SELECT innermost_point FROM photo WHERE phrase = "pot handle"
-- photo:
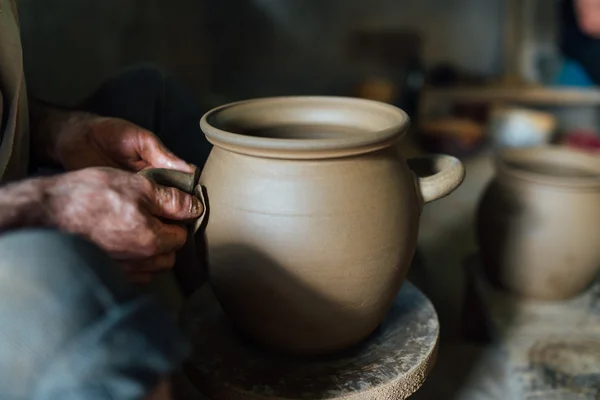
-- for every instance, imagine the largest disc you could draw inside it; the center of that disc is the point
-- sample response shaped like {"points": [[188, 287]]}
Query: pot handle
{"points": [[185, 181], [438, 175]]}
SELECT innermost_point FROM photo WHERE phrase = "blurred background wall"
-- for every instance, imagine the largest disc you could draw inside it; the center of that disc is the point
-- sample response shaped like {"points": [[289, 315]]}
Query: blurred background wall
{"points": [[72, 45], [240, 48]]}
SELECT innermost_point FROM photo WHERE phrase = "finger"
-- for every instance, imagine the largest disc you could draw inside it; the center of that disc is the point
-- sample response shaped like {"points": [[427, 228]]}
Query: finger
{"points": [[154, 264], [168, 238], [173, 204], [154, 152]]}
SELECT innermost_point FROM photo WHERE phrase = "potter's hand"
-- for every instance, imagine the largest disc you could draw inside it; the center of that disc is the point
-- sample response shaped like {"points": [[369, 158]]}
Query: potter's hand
{"points": [[121, 212], [112, 142], [79, 140]]}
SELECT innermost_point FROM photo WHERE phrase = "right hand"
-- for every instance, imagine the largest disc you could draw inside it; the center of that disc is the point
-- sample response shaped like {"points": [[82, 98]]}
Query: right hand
{"points": [[120, 211]]}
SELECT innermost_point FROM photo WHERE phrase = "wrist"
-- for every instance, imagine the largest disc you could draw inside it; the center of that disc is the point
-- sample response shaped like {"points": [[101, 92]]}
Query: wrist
{"points": [[25, 204]]}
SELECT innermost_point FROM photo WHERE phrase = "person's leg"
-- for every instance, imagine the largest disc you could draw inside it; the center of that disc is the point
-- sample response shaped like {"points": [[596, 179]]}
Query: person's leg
{"points": [[71, 327], [156, 101]]}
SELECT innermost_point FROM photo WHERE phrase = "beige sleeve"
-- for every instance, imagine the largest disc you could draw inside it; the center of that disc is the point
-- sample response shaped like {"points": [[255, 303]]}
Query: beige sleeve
{"points": [[13, 5]]}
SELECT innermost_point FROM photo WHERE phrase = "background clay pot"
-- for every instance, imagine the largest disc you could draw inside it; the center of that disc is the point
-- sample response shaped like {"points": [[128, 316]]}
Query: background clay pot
{"points": [[312, 216], [539, 222]]}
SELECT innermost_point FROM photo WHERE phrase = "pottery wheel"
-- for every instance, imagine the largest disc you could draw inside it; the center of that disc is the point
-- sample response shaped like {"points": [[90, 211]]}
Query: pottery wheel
{"points": [[390, 365]]}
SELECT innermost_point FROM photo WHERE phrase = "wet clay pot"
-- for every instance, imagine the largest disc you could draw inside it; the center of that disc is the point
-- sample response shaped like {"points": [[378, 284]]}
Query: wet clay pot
{"points": [[312, 216], [539, 222]]}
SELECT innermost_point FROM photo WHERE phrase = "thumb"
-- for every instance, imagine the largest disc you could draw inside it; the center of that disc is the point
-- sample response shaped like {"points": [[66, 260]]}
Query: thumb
{"points": [[173, 204], [154, 152]]}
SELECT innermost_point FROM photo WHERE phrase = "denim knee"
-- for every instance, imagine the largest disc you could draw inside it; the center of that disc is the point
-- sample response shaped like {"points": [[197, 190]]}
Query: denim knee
{"points": [[71, 326], [59, 263]]}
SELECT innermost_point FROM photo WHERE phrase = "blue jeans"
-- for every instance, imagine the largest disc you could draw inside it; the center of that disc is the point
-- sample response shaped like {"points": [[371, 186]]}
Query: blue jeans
{"points": [[71, 327]]}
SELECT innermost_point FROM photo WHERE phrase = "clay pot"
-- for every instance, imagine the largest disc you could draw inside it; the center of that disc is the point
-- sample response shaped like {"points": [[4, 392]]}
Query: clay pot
{"points": [[539, 222], [312, 216]]}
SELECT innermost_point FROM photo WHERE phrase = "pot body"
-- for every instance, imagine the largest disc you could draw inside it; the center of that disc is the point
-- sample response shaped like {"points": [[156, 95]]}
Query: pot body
{"points": [[540, 239], [307, 255]]}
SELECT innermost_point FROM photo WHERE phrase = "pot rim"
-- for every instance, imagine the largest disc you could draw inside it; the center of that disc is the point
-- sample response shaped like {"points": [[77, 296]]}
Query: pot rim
{"points": [[507, 162], [383, 124]]}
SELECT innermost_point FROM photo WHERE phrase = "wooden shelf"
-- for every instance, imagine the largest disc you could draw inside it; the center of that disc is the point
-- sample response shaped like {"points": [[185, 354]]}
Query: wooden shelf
{"points": [[557, 96]]}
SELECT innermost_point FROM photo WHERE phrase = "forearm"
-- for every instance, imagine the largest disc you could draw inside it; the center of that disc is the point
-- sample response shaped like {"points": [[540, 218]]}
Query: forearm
{"points": [[47, 122], [24, 204]]}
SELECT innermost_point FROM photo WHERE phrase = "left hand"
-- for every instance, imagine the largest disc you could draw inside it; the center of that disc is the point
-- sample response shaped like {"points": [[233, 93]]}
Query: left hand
{"points": [[94, 141]]}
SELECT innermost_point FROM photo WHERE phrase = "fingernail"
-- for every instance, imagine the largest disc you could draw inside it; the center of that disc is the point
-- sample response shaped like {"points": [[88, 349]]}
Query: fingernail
{"points": [[196, 206]]}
